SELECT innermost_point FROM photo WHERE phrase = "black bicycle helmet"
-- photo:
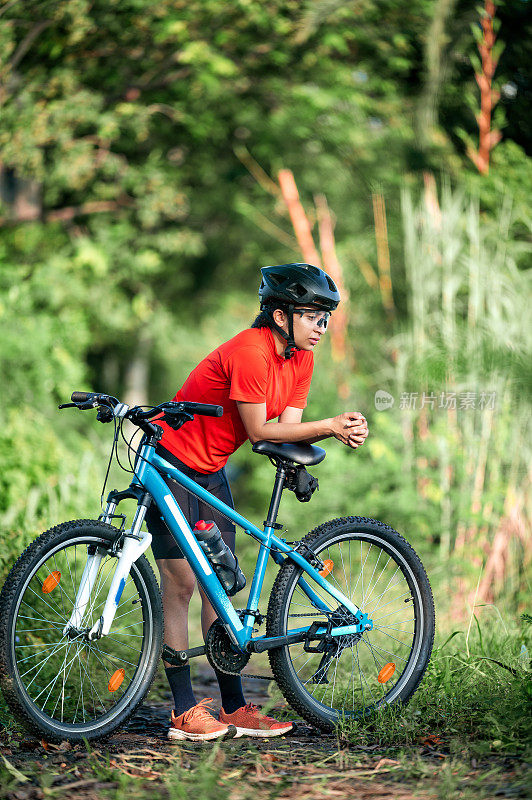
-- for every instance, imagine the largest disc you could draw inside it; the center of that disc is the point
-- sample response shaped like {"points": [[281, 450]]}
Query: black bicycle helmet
{"points": [[298, 284], [288, 285]]}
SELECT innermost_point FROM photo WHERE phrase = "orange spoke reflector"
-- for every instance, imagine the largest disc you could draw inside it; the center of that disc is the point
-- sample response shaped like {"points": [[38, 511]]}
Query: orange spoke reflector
{"points": [[327, 567], [116, 679], [51, 581], [386, 673]]}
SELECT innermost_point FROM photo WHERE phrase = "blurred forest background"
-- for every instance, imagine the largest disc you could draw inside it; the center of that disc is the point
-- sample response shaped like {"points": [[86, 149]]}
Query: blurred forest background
{"points": [[149, 159]]}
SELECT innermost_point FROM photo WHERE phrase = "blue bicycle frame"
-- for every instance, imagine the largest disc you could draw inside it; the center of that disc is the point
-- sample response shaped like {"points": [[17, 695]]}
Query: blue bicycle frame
{"points": [[148, 469]]}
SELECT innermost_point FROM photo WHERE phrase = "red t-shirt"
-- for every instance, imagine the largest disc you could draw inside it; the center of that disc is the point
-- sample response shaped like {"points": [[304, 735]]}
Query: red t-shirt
{"points": [[246, 368]]}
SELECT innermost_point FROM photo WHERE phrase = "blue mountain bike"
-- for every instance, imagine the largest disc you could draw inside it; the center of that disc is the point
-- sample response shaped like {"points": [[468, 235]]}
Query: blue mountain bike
{"points": [[349, 623]]}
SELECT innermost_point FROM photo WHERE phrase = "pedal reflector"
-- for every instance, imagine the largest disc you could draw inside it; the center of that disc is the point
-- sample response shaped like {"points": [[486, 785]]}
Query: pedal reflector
{"points": [[115, 681], [386, 673], [51, 581], [327, 567]]}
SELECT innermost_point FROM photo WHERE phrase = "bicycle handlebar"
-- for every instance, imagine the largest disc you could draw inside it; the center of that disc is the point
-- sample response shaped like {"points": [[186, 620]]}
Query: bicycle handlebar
{"points": [[93, 397], [81, 397], [205, 409], [183, 407]]}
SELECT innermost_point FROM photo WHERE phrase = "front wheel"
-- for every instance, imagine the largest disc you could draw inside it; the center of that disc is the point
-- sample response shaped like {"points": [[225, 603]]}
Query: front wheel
{"points": [[354, 675], [61, 685]]}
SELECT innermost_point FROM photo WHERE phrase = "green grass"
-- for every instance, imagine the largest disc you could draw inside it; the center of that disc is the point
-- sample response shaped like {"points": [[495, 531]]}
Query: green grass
{"points": [[476, 697], [465, 735]]}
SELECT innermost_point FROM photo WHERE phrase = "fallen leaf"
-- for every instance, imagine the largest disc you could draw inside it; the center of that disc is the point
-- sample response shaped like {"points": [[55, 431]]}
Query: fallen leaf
{"points": [[385, 762], [64, 746], [430, 741], [13, 770]]}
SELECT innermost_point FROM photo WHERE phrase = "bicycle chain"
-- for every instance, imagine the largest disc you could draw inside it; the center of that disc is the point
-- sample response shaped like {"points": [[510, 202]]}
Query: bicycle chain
{"points": [[260, 677]]}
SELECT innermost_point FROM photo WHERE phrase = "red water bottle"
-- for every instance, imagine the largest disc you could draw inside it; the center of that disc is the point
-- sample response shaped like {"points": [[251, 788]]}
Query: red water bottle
{"points": [[222, 560]]}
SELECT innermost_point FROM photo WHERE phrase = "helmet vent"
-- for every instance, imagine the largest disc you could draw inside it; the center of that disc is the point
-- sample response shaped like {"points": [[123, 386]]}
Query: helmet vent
{"points": [[298, 289], [276, 279], [313, 269], [332, 286]]}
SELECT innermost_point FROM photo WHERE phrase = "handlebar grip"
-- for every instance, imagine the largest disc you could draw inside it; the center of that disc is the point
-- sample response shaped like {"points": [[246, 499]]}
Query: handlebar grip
{"points": [[204, 409], [81, 397]]}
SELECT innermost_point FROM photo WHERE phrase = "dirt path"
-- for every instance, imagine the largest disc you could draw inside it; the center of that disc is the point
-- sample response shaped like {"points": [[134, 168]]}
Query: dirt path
{"points": [[140, 763]]}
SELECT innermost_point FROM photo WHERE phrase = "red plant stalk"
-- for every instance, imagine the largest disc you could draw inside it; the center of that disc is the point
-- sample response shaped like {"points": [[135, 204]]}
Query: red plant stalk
{"points": [[298, 217], [488, 97], [302, 230], [383, 254], [338, 326]]}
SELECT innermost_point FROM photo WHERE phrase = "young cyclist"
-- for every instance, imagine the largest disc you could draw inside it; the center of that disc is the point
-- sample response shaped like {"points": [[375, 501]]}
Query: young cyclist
{"points": [[260, 374]]}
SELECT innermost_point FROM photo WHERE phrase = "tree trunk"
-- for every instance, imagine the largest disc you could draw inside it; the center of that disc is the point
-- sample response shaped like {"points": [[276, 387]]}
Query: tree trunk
{"points": [[136, 376]]}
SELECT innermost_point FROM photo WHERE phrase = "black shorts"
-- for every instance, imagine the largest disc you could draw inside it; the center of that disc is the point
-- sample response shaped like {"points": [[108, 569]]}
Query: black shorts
{"points": [[163, 543]]}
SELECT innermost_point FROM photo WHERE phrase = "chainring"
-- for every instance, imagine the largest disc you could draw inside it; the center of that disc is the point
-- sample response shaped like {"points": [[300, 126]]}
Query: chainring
{"points": [[221, 652]]}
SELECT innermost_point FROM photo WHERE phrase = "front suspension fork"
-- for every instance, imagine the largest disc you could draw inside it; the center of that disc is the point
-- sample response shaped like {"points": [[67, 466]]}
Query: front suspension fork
{"points": [[135, 543]]}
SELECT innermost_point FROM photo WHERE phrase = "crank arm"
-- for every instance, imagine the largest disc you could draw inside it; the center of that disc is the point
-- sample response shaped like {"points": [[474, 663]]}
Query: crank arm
{"points": [[179, 657]]}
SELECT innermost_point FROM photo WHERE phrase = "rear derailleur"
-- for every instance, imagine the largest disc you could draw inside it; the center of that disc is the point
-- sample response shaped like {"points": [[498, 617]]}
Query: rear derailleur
{"points": [[330, 646]]}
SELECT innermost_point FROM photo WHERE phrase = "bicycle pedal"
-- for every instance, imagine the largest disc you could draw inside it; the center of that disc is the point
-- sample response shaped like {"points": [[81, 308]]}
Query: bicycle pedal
{"points": [[179, 657]]}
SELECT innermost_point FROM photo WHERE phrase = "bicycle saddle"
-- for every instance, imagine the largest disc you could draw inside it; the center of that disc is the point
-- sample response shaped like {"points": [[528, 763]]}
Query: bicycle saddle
{"points": [[301, 453]]}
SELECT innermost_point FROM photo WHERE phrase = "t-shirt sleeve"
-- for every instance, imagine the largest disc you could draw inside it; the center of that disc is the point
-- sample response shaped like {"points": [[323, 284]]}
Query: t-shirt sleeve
{"points": [[247, 370], [298, 399]]}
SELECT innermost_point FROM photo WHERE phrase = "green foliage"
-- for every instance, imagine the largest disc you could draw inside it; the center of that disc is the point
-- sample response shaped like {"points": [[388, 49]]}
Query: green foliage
{"points": [[139, 126], [475, 699], [206, 781], [46, 478]]}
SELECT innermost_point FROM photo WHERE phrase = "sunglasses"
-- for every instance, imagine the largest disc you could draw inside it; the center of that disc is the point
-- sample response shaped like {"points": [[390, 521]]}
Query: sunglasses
{"points": [[313, 316]]}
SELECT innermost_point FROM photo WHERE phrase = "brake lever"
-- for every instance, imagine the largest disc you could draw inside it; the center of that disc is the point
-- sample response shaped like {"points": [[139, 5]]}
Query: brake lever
{"points": [[80, 406], [175, 421]]}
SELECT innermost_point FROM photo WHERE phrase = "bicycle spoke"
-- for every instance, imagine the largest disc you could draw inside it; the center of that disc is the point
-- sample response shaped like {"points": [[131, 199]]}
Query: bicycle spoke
{"points": [[124, 644], [43, 663], [110, 658], [93, 686], [55, 678], [362, 676], [46, 604], [61, 695], [365, 600], [52, 682], [41, 619], [389, 652], [63, 676], [397, 611], [386, 588], [376, 628], [347, 680]]}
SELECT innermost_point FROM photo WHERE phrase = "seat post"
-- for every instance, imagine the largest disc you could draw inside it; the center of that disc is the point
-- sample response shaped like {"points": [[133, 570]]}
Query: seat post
{"points": [[278, 487]]}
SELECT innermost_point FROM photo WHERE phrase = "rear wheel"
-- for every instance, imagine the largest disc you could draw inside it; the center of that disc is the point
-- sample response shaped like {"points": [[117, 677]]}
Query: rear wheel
{"points": [[357, 674], [63, 686]]}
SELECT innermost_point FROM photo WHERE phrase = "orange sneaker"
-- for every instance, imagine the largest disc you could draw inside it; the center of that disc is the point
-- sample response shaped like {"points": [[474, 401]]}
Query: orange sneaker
{"points": [[248, 721], [199, 725]]}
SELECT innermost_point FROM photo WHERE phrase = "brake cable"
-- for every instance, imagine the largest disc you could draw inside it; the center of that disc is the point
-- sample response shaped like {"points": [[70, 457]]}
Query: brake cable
{"points": [[113, 449], [131, 449]]}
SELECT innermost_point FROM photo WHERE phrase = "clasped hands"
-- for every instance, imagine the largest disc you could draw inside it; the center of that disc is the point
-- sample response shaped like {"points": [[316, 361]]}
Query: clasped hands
{"points": [[350, 428]]}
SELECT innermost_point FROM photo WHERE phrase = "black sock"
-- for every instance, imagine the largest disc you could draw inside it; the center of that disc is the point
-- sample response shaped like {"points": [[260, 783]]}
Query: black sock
{"points": [[231, 691], [179, 680]]}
